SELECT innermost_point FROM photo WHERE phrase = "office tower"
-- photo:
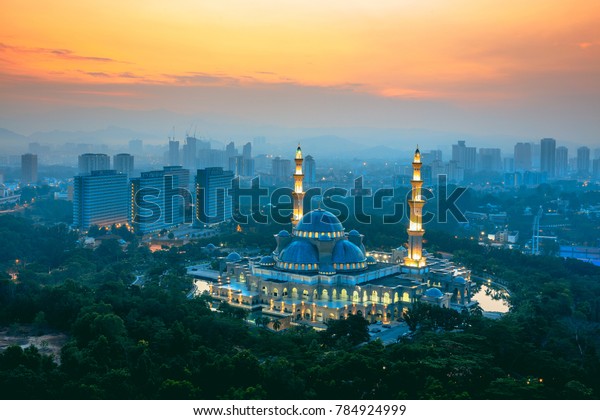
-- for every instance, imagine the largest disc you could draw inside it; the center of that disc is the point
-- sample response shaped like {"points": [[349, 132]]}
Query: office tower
{"points": [[562, 162], [160, 199], [29, 168], [597, 153], [210, 158], [596, 168], [548, 157], [100, 198], [190, 153], [536, 153], [310, 170], [136, 147], [429, 157], [464, 156], [213, 203], [173, 153], [247, 151], [123, 163], [523, 157], [280, 169], [437, 168], [230, 150], [490, 159], [583, 161], [455, 171], [1, 177], [241, 166], [508, 164], [89, 162]]}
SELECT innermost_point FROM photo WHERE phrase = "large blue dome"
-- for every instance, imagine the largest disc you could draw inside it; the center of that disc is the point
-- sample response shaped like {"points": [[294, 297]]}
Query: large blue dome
{"points": [[346, 252], [301, 252], [320, 223]]}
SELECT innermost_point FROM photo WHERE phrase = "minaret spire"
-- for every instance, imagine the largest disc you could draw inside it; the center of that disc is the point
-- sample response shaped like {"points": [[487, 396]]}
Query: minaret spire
{"points": [[298, 194], [415, 230]]}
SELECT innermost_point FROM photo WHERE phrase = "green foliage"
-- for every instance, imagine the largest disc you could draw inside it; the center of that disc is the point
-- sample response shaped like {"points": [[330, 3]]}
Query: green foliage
{"points": [[151, 342], [352, 330]]}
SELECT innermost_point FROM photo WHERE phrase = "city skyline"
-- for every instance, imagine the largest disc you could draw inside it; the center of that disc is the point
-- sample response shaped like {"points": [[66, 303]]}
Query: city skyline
{"points": [[482, 69]]}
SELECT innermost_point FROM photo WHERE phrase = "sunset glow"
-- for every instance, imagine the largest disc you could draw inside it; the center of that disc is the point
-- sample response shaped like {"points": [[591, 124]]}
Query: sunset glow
{"points": [[463, 52]]}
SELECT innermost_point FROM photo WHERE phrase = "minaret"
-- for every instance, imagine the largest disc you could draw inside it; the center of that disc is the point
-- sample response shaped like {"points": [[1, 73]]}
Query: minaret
{"points": [[298, 194], [415, 230]]}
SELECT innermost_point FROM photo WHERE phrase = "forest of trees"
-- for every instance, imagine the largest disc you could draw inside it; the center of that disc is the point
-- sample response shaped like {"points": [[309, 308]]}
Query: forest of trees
{"points": [[127, 342]]}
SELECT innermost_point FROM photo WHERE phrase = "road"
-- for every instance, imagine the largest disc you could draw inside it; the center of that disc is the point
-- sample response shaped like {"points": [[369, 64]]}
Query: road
{"points": [[388, 335]]}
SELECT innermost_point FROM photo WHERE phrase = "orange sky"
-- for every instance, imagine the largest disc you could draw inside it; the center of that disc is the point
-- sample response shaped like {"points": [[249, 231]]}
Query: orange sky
{"points": [[462, 51]]}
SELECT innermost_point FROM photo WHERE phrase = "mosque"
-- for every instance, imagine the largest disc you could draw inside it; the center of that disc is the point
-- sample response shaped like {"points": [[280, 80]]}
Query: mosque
{"points": [[318, 271]]}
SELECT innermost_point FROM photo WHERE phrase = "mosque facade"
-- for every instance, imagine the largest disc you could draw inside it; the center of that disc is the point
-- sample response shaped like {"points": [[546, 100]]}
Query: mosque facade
{"points": [[318, 271]]}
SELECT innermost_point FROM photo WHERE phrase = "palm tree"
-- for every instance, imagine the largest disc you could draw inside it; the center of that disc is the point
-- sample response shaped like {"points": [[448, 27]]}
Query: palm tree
{"points": [[276, 325]]}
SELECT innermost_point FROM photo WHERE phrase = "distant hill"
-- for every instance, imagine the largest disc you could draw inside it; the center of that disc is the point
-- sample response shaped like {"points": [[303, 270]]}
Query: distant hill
{"points": [[12, 143], [111, 136]]}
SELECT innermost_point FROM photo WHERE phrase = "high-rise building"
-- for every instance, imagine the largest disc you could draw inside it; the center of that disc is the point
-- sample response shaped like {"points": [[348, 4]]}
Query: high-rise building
{"points": [[241, 166], [190, 153], [89, 162], [160, 199], [247, 151], [100, 198], [583, 161], [536, 153], [310, 170], [280, 169], [523, 157], [230, 150], [548, 157], [456, 173], [490, 159], [211, 158], [213, 203], [596, 168], [597, 153], [429, 157], [123, 163], [562, 162], [465, 156], [29, 168], [508, 164], [173, 153]]}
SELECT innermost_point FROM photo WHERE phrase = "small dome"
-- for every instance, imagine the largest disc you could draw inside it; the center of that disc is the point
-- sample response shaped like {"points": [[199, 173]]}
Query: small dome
{"points": [[301, 252], [346, 252], [354, 232], [434, 292], [284, 233], [459, 280], [267, 261], [234, 257], [211, 247], [319, 221], [371, 260]]}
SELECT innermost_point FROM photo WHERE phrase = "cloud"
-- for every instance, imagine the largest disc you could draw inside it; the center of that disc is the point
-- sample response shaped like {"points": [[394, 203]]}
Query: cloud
{"points": [[204, 79], [60, 53]]}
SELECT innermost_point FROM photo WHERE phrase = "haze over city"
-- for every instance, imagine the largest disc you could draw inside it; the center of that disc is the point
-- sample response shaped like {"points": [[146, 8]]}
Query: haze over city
{"points": [[389, 73]]}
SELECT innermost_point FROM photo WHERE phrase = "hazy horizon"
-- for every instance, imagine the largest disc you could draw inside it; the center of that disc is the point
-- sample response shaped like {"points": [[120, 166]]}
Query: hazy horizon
{"points": [[391, 74]]}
